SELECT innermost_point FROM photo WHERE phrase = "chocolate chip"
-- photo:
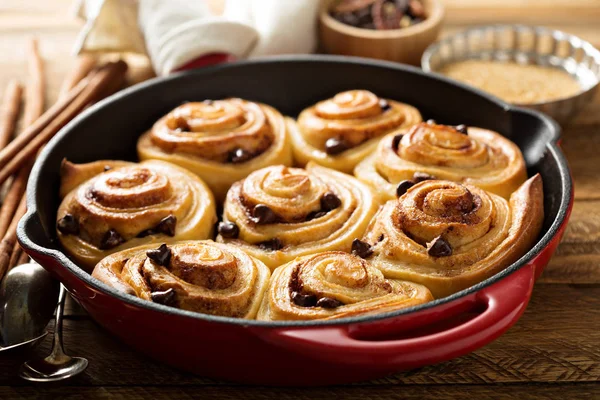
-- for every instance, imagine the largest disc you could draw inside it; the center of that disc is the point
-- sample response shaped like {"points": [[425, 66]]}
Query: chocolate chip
{"points": [[271, 245], [166, 297], [438, 247], [361, 249], [147, 232], [335, 146], [384, 105], [182, 125], [239, 156], [328, 302], [315, 214], [422, 176], [431, 122], [462, 129], [111, 239], [304, 300], [107, 168], [381, 237], [263, 215], [68, 225], [330, 201], [403, 187], [161, 256], [167, 225], [228, 230], [396, 141]]}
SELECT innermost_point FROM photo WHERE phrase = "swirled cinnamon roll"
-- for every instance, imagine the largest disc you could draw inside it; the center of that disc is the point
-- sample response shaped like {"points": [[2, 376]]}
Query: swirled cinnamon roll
{"points": [[449, 236], [221, 141], [200, 276], [339, 132], [279, 213], [335, 284], [469, 155], [110, 206]]}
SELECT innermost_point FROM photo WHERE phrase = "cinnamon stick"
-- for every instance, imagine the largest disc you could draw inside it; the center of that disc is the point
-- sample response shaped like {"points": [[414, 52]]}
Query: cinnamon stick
{"points": [[10, 238], [83, 67], [35, 93], [23, 259], [12, 199], [27, 144], [14, 256], [10, 111]]}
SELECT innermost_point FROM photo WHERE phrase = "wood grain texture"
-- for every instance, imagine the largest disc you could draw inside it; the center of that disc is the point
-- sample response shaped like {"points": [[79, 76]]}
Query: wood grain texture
{"points": [[551, 353]]}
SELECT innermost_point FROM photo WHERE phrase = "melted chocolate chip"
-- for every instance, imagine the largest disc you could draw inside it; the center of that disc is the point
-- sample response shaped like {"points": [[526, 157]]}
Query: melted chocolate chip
{"points": [[263, 215], [381, 237], [167, 225], [330, 201], [403, 187], [384, 105], [68, 225], [328, 302], [422, 176], [182, 125], [228, 230], [271, 245], [315, 214], [335, 146], [396, 141], [111, 239], [161, 256], [438, 247], [462, 129], [431, 122], [166, 297], [239, 156], [304, 300], [361, 249], [107, 168]]}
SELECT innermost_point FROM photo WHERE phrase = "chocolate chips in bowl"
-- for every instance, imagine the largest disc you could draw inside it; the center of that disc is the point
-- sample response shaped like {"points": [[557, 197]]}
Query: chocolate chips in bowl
{"points": [[379, 14]]}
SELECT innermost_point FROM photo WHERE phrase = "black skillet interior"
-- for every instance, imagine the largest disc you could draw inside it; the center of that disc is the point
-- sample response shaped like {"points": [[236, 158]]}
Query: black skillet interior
{"points": [[110, 129]]}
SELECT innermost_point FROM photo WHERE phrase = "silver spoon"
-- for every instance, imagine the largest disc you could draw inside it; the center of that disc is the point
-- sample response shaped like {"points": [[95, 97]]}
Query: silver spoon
{"points": [[28, 297], [57, 366]]}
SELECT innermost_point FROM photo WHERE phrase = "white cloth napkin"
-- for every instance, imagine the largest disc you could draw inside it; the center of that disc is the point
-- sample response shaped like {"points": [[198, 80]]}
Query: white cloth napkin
{"points": [[175, 32]]}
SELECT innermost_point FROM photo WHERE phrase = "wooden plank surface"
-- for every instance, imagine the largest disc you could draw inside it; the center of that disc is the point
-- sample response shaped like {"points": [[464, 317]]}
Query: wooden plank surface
{"points": [[552, 352]]}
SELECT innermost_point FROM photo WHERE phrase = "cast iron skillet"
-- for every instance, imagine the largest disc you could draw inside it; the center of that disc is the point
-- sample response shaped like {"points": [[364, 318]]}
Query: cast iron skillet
{"points": [[338, 351]]}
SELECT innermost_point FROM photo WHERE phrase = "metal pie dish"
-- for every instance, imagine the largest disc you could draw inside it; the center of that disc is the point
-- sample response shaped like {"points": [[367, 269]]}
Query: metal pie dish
{"points": [[327, 352], [524, 44]]}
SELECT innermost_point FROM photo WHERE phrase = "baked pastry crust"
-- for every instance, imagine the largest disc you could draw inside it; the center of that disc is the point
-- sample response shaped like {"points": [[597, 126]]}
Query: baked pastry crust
{"points": [[149, 202], [335, 284], [482, 158], [221, 141], [200, 276], [358, 118], [301, 225], [483, 233]]}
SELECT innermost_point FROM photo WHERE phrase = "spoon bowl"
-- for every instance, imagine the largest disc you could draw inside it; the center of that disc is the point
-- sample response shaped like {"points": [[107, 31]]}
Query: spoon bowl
{"points": [[50, 369], [28, 297]]}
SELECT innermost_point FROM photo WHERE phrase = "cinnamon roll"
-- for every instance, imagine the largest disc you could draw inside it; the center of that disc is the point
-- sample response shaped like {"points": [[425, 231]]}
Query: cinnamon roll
{"points": [[110, 206], [221, 141], [279, 213], [332, 285], [449, 236], [200, 276], [470, 155], [339, 132]]}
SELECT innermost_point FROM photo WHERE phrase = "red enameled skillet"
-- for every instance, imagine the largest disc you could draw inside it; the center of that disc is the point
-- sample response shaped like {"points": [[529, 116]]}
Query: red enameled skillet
{"points": [[300, 353]]}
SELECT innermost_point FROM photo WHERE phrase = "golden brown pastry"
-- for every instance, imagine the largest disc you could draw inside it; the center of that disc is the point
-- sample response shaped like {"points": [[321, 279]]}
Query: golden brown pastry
{"points": [[201, 276], [279, 213], [335, 284], [448, 236], [221, 141], [482, 157], [339, 132], [110, 206]]}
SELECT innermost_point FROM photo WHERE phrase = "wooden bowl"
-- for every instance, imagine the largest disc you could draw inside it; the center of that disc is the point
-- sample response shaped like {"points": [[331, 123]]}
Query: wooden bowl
{"points": [[405, 45]]}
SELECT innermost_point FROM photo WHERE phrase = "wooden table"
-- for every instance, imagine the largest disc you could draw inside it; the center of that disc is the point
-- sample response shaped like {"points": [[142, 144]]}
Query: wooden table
{"points": [[552, 352]]}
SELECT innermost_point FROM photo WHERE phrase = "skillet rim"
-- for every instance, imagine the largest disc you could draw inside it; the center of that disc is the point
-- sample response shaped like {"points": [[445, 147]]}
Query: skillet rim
{"points": [[566, 199]]}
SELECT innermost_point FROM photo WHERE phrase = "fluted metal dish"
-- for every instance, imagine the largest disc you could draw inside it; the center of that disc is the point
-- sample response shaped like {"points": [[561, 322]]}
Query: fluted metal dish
{"points": [[525, 45]]}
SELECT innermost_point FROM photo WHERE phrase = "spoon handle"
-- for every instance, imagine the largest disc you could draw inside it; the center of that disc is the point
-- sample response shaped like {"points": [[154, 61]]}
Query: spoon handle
{"points": [[57, 344]]}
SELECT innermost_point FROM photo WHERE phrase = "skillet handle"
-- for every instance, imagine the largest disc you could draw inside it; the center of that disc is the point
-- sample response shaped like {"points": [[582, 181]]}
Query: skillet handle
{"points": [[504, 303]]}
